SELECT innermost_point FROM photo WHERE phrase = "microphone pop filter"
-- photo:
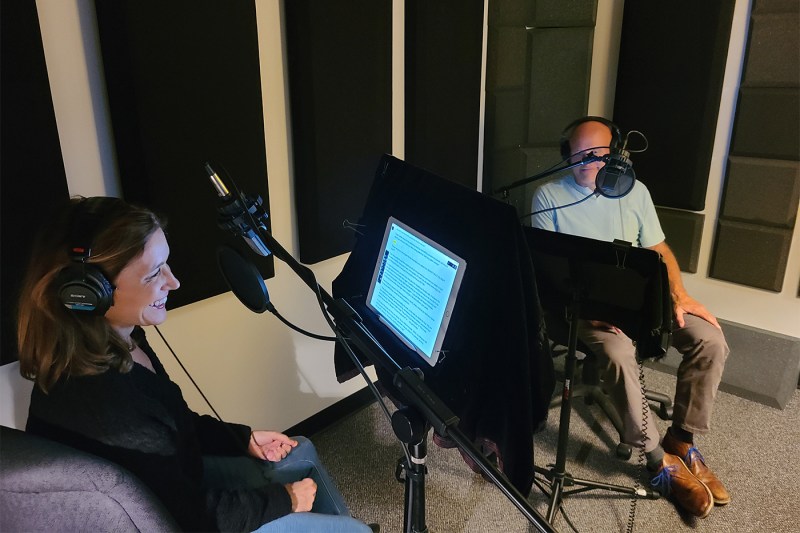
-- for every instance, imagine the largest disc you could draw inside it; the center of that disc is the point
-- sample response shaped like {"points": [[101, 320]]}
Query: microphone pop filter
{"points": [[616, 178], [243, 278]]}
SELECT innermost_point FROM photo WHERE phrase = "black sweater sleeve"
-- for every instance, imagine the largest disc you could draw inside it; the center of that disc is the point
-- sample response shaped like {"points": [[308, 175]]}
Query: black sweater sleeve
{"points": [[193, 507], [140, 421]]}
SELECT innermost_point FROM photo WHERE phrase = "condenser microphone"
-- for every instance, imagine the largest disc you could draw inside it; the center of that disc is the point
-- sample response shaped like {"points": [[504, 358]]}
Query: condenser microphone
{"points": [[239, 214], [616, 178]]}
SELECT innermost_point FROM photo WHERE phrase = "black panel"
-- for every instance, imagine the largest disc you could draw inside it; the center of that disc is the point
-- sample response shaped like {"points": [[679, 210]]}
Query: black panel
{"points": [[443, 86], [767, 123], [669, 81], [339, 60], [184, 87], [773, 53], [561, 65], [558, 13], [537, 81], [762, 191], [684, 232], [750, 254], [32, 170]]}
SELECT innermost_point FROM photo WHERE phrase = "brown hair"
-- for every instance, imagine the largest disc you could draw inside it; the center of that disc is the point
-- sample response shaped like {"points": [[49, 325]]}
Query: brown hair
{"points": [[54, 341]]}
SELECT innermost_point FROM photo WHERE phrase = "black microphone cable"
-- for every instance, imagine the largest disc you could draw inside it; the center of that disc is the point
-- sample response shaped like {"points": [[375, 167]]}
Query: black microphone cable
{"points": [[271, 308], [640, 460], [560, 206], [236, 438]]}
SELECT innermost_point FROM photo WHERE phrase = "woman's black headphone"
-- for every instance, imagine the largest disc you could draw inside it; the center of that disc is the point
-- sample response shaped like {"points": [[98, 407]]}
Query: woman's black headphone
{"points": [[82, 286], [616, 136]]}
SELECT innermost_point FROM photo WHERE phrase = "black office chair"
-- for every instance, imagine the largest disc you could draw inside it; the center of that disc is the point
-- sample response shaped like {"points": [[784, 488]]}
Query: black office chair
{"points": [[591, 388]]}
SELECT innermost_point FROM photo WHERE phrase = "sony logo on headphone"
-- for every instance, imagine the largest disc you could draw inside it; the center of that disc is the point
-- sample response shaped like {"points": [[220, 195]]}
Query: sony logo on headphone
{"points": [[77, 295]]}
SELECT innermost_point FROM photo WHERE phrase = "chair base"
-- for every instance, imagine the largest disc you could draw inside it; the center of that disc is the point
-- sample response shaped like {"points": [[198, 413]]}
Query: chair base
{"points": [[595, 394]]}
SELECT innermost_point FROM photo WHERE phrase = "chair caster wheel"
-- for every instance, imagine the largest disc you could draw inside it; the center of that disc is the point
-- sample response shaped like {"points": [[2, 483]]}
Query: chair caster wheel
{"points": [[623, 451], [665, 412]]}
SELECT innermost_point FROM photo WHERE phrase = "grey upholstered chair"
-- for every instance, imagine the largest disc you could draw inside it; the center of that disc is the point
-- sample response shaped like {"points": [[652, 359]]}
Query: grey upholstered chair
{"points": [[45, 486]]}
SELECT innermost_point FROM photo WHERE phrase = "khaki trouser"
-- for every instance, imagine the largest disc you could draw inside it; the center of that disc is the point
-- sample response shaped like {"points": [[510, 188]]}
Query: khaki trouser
{"points": [[704, 352]]}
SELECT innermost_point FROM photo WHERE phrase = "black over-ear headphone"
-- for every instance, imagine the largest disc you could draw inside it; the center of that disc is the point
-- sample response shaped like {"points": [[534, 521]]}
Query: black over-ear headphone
{"points": [[616, 136], [82, 286]]}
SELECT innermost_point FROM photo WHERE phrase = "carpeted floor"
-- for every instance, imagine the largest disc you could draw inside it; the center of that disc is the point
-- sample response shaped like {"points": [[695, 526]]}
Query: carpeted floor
{"points": [[752, 448]]}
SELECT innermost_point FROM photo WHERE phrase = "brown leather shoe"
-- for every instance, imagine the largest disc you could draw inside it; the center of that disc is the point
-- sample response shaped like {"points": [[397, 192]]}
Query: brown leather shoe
{"points": [[696, 464], [675, 480]]}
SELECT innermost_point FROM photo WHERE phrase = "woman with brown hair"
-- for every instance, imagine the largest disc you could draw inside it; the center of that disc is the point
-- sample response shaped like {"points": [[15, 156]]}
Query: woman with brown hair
{"points": [[98, 273]]}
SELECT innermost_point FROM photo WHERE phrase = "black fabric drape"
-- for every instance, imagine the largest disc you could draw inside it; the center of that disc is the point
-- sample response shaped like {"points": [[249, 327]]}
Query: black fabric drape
{"points": [[496, 373]]}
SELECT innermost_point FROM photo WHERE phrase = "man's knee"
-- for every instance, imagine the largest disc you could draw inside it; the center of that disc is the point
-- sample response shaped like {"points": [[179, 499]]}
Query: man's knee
{"points": [[702, 340]]}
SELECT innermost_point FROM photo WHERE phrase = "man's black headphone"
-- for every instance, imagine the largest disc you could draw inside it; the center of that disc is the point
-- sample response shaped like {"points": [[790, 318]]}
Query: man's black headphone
{"points": [[616, 136], [82, 286]]}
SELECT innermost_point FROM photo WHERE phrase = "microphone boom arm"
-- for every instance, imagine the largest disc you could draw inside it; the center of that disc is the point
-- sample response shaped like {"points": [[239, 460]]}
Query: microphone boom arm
{"points": [[350, 330], [549, 172]]}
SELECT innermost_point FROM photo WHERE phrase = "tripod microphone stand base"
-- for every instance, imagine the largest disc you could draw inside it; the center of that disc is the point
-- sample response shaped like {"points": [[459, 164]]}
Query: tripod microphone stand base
{"points": [[560, 481]]}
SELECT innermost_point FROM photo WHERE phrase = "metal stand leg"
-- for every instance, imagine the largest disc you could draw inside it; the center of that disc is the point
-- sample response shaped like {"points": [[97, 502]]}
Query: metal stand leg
{"points": [[557, 476], [412, 428]]}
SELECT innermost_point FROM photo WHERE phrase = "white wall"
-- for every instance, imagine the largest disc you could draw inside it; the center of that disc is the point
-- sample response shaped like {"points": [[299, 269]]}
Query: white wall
{"points": [[252, 368]]}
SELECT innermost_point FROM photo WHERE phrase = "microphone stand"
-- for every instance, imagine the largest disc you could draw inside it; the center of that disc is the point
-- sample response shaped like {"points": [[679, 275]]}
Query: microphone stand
{"points": [[425, 409]]}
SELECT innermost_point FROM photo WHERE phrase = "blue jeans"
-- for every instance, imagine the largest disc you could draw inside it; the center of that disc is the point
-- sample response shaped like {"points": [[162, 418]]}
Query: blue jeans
{"points": [[313, 522], [329, 512]]}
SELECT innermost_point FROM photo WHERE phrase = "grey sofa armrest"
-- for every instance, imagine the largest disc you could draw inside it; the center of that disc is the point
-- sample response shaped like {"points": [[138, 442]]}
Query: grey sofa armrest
{"points": [[46, 486]]}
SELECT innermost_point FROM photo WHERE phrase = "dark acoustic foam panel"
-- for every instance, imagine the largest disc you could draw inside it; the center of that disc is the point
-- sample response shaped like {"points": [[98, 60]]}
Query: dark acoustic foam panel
{"points": [[684, 233], [443, 48], [762, 191], [32, 169], [509, 124], [773, 55], [751, 255], [507, 61], [669, 81], [561, 64], [557, 13], [184, 88], [767, 124], [537, 81], [339, 61]]}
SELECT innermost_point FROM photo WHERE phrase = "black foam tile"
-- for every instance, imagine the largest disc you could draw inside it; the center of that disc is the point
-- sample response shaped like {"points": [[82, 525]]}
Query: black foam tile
{"points": [[751, 255], [684, 232], [762, 191]]}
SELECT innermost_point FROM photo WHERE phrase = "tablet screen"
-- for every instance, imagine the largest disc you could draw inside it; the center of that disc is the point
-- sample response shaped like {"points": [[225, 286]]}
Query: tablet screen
{"points": [[414, 288]]}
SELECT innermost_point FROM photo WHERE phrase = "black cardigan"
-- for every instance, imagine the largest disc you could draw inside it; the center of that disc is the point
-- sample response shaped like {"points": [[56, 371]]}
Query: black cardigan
{"points": [[140, 421]]}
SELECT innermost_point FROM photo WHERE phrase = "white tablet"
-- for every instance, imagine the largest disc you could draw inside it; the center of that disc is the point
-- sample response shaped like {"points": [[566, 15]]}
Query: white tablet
{"points": [[414, 288]]}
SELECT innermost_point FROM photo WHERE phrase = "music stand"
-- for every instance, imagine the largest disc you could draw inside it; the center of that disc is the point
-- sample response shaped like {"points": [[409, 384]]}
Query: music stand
{"points": [[614, 282]]}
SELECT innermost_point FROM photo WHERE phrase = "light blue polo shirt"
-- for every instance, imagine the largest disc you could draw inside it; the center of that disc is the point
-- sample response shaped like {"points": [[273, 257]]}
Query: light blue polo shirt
{"points": [[631, 218]]}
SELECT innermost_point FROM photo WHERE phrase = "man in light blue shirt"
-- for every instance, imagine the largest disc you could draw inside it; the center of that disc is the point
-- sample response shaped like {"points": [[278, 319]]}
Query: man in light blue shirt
{"points": [[570, 205]]}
